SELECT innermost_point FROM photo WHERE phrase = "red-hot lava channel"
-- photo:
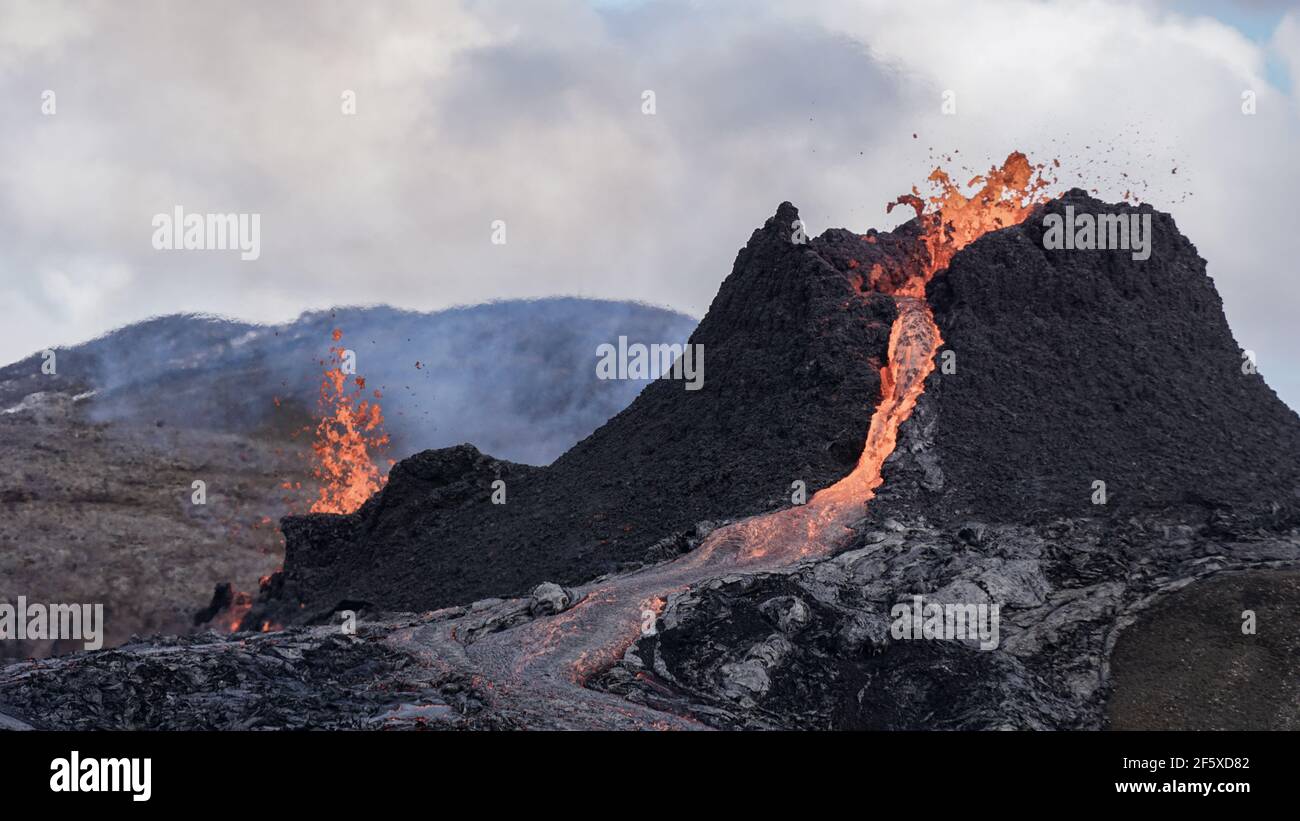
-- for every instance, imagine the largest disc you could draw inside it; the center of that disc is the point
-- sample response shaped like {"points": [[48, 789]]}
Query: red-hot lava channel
{"points": [[535, 672]]}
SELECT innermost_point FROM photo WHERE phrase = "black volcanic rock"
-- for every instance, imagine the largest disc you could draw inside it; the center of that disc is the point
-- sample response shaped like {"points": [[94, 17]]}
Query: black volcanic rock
{"points": [[792, 353], [1075, 366], [729, 651]]}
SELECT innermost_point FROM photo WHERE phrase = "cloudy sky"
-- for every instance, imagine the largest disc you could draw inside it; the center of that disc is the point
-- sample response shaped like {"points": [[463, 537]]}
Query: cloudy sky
{"points": [[531, 112]]}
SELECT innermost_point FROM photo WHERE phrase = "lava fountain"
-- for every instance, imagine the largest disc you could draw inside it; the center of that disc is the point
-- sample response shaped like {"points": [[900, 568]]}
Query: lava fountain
{"points": [[350, 429], [951, 220]]}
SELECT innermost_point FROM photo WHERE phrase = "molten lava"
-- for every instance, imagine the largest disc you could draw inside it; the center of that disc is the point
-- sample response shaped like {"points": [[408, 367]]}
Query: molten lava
{"points": [[350, 430], [240, 604], [951, 220]]}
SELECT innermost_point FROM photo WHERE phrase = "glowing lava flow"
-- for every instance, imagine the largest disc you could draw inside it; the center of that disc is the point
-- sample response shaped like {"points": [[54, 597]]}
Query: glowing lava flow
{"points": [[817, 527]]}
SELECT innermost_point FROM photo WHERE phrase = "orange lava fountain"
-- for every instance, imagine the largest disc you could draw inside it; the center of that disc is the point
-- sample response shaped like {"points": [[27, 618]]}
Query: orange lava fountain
{"points": [[951, 220], [350, 429]]}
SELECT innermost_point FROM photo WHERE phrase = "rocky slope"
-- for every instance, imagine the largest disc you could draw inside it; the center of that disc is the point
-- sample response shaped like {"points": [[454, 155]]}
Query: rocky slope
{"points": [[810, 647], [102, 512]]}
